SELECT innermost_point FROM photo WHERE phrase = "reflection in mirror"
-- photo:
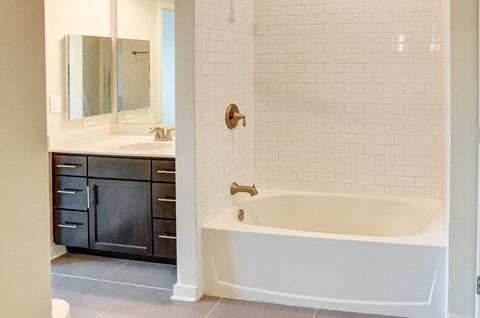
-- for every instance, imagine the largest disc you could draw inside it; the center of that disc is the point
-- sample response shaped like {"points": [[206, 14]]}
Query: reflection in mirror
{"points": [[152, 22], [88, 75], [133, 60], [168, 66]]}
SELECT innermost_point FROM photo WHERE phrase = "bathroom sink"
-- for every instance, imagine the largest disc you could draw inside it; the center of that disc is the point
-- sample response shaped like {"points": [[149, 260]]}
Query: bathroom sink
{"points": [[145, 146]]}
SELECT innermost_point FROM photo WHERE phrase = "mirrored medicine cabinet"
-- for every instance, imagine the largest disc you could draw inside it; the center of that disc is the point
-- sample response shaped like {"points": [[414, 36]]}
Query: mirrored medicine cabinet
{"points": [[89, 62], [145, 77]]}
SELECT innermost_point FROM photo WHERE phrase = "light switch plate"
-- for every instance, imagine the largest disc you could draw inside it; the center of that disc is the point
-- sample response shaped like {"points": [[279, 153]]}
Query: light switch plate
{"points": [[55, 104], [88, 121], [129, 114]]}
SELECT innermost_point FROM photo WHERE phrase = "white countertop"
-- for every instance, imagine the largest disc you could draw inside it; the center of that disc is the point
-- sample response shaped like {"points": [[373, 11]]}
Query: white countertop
{"points": [[120, 145]]}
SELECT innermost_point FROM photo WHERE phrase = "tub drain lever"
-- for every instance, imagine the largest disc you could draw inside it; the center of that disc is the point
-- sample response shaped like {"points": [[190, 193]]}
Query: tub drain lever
{"points": [[241, 215]]}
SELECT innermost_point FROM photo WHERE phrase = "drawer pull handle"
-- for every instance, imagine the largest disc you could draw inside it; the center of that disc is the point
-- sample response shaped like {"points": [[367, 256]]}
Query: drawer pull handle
{"points": [[67, 165], [166, 200], [166, 171], [69, 191], [88, 197], [68, 226], [167, 236]]}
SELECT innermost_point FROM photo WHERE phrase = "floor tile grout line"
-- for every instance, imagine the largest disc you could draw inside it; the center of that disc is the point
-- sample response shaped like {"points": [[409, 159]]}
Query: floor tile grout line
{"points": [[56, 278], [138, 285], [315, 313], [114, 271], [118, 301], [218, 302], [121, 283]]}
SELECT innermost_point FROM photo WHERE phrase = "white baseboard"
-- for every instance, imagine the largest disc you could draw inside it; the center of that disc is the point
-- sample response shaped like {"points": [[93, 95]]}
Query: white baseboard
{"points": [[458, 316], [187, 293], [57, 251]]}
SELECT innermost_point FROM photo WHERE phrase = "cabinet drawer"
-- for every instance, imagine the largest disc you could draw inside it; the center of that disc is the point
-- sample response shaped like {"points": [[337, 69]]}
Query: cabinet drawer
{"points": [[70, 165], [71, 228], [163, 170], [70, 193], [164, 239], [119, 168], [163, 200]]}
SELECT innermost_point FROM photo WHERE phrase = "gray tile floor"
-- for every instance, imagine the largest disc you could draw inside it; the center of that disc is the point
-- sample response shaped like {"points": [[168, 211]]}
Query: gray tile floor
{"points": [[115, 288]]}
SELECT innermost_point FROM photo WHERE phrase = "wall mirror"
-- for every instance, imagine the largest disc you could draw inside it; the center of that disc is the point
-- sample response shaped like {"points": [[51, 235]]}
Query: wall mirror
{"points": [[89, 62], [133, 75], [146, 61]]}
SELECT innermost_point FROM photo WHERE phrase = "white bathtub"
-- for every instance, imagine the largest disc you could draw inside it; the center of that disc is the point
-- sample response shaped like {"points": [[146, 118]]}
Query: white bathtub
{"points": [[376, 255]]}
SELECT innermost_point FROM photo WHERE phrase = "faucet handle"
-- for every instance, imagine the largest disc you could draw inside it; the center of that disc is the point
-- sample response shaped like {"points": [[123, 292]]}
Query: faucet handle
{"points": [[233, 116], [238, 116], [154, 129], [169, 134]]}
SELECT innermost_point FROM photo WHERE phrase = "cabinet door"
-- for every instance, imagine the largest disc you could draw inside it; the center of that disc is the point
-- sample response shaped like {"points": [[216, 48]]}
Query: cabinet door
{"points": [[120, 217]]}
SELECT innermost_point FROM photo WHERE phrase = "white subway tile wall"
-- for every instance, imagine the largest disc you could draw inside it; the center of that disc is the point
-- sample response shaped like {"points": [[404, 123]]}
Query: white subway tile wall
{"points": [[348, 96], [223, 75], [445, 62]]}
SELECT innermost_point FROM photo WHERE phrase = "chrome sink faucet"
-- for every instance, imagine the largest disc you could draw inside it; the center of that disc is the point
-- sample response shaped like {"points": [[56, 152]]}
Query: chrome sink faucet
{"points": [[235, 188]]}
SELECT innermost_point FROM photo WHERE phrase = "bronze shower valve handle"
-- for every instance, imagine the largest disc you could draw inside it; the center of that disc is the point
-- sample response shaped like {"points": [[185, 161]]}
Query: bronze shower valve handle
{"points": [[233, 116]]}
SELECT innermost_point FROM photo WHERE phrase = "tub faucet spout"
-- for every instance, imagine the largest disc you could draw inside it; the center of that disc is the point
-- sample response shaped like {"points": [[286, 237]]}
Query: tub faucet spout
{"points": [[235, 188]]}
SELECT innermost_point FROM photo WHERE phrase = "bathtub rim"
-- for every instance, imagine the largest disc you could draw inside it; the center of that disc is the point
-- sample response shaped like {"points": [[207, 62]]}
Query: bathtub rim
{"points": [[434, 234]]}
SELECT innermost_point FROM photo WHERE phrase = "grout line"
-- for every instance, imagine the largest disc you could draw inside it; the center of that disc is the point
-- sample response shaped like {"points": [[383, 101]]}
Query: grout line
{"points": [[121, 283], [315, 313], [218, 302], [115, 303], [56, 278], [113, 271]]}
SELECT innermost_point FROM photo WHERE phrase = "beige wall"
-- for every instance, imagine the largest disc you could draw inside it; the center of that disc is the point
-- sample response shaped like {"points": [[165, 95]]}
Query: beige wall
{"points": [[463, 183], [24, 226]]}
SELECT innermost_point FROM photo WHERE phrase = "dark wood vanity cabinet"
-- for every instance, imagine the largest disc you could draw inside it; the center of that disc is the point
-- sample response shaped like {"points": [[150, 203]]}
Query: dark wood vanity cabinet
{"points": [[115, 204]]}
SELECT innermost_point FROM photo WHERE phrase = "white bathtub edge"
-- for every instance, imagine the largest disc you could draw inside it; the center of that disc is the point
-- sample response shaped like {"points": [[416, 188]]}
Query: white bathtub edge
{"points": [[434, 236]]}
